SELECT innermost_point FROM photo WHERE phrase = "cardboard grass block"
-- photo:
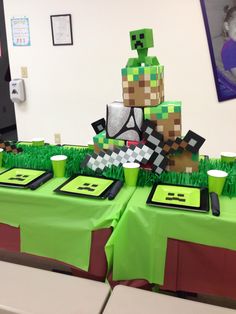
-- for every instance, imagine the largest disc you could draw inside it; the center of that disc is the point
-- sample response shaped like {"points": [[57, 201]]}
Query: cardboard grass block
{"points": [[101, 142], [167, 117], [123, 123], [143, 86], [183, 162]]}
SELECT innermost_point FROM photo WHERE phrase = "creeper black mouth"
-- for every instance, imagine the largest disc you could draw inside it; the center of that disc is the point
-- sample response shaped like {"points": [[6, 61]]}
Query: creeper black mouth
{"points": [[138, 44]]}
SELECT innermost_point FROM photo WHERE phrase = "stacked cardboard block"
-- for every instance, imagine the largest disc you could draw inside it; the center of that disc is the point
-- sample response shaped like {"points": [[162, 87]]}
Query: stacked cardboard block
{"points": [[167, 117], [183, 162], [143, 86], [144, 122], [101, 142], [124, 122]]}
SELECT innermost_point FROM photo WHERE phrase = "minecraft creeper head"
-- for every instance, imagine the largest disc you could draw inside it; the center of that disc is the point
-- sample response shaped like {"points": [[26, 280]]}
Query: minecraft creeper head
{"points": [[141, 39]]}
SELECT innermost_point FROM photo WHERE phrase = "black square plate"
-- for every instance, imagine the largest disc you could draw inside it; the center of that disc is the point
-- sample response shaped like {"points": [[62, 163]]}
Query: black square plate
{"points": [[23, 178], [179, 197], [86, 186]]}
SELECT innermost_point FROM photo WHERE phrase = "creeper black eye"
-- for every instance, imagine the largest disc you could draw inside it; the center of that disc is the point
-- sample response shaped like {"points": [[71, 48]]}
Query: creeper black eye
{"points": [[141, 36], [133, 37]]}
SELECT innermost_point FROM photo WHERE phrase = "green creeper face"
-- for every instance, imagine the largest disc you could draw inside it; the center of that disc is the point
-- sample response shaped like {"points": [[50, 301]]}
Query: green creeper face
{"points": [[85, 185], [177, 195], [141, 39]]}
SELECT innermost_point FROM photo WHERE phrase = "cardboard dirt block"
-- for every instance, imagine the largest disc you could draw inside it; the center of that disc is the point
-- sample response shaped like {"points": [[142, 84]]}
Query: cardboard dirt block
{"points": [[123, 123], [143, 86], [183, 162], [167, 117], [101, 142]]}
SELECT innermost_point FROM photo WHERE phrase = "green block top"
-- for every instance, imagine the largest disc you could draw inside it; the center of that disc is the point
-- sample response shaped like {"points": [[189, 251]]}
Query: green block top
{"points": [[102, 139], [99, 136], [164, 107], [154, 69]]}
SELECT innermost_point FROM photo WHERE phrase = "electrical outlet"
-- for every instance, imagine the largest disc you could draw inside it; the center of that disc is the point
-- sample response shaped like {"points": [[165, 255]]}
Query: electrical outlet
{"points": [[24, 72], [57, 138]]}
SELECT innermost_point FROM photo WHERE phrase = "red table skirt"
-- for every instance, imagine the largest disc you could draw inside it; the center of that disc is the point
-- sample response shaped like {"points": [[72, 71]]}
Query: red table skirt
{"points": [[10, 241], [189, 267], [200, 269], [194, 268]]}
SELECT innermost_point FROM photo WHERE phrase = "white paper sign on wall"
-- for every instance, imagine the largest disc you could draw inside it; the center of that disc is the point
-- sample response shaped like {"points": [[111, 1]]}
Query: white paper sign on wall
{"points": [[20, 31]]}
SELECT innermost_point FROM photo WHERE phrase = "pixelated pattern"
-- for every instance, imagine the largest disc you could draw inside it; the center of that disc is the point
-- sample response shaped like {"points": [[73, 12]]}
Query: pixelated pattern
{"points": [[167, 118], [99, 125], [192, 142], [143, 86], [183, 162], [154, 140], [10, 148], [143, 153], [98, 162], [153, 151], [102, 142]]}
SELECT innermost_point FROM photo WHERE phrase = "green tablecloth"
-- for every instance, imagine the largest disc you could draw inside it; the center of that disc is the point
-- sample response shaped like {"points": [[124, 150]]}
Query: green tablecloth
{"points": [[137, 248], [59, 226]]}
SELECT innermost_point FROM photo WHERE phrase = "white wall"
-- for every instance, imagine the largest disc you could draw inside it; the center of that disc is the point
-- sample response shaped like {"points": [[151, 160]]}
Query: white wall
{"points": [[68, 87]]}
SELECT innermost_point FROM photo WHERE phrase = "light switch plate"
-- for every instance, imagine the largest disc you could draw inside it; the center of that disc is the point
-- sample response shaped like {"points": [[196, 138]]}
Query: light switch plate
{"points": [[57, 138], [24, 72]]}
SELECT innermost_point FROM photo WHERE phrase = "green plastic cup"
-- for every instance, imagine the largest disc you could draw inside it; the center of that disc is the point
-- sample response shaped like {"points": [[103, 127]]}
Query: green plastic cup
{"points": [[216, 180], [59, 165], [37, 141], [131, 171], [228, 157], [1, 156]]}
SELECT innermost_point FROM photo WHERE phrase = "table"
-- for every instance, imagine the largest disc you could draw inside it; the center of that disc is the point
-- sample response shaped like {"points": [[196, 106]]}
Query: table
{"points": [[58, 226], [128, 300], [30, 290], [137, 248]]}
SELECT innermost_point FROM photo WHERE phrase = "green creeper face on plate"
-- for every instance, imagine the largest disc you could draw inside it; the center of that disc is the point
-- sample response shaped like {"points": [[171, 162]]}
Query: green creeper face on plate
{"points": [[19, 176], [141, 39], [90, 186], [177, 195]]}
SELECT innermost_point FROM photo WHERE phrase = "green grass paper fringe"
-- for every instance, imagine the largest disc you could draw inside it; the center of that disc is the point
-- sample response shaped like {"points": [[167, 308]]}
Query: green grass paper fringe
{"points": [[34, 157], [39, 158]]}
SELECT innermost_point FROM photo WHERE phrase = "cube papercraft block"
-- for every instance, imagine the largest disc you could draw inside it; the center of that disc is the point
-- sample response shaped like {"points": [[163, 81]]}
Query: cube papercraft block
{"points": [[143, 86], [123, 123], [183, 162], [167, 117], [101, 142]]}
